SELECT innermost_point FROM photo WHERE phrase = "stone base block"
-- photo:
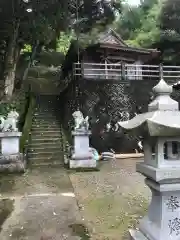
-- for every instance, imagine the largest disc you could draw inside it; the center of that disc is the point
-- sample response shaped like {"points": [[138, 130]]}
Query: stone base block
{"points": [[17, 167], [89, 163], [6, 159], [136, 235], [12, 163]]}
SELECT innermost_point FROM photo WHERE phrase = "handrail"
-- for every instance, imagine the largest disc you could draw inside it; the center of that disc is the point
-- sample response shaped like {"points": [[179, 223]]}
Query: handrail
{"points": [[117, 71]]}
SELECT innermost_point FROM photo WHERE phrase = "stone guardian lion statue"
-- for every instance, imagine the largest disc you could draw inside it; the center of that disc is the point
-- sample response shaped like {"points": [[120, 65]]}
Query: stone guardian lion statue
{"points": [[80, 121], [9, 124]]}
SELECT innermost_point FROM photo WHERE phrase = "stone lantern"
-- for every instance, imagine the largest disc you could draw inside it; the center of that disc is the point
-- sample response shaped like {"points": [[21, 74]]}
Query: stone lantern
{"points": [[160, 129]]}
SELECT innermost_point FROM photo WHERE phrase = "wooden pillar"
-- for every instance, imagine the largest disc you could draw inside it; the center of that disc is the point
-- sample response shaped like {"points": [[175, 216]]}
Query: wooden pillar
{"points": [[161, 71], [106, 69], [123, 72]]}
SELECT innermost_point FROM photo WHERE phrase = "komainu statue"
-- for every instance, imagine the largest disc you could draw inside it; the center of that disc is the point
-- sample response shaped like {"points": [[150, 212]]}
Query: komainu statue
{"points": [[9, 124], [81, 123]]}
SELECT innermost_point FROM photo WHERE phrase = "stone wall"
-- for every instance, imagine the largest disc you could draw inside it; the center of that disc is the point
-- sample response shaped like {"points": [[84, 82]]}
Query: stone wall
{"points": [[104, 103]]}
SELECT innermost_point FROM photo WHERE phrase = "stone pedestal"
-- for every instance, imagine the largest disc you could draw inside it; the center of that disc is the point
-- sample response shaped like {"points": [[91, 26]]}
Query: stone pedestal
{"points": [[163, 219], [10, 142], [160, 128], [82, 156], [11, 160]]}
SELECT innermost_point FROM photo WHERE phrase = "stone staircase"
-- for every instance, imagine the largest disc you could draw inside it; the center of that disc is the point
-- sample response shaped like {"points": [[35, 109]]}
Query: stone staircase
{"points": [[46, 137]]}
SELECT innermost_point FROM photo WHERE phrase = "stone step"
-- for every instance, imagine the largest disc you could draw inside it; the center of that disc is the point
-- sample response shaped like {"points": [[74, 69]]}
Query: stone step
{"points": [[54, 163], [48, 134], [45, 154], [46, 159], [36, 133], [47, 115], [46, 140], [46, 124], [42, 148], [45, 145], [45, 118], [47, 111], [45, 129]]}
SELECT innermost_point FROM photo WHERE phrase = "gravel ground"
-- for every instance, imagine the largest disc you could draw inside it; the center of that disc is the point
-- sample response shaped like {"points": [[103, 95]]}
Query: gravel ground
{"points": [[41, 205], [111, 200]]}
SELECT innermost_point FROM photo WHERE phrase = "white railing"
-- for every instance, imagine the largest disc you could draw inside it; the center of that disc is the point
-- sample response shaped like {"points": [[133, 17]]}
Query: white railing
{"points": [[125, 71]]}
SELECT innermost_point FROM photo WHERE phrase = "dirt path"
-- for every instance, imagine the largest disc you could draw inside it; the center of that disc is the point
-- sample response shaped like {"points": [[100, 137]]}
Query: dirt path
{"points": [[44, 206]]}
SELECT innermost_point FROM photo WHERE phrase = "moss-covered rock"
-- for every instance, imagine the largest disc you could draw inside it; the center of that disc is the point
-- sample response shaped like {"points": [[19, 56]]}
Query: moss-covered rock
{"points": [[27, 123]]}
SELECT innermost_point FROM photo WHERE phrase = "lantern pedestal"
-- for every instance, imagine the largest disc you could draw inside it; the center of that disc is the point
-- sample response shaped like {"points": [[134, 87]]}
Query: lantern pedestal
{"points": [[163, 219], [160, 128]]}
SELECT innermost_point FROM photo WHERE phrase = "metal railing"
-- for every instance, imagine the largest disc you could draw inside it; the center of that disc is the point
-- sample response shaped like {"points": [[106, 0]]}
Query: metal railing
{"points": [[106, 71]]}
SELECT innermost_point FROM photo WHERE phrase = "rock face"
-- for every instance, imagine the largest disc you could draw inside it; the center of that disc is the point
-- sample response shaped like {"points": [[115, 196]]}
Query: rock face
{"points": [[104, 103]]}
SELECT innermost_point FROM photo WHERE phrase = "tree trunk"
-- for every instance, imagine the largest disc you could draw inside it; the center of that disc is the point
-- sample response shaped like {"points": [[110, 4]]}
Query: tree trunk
{"points": [[11, 61], [16, 58]]}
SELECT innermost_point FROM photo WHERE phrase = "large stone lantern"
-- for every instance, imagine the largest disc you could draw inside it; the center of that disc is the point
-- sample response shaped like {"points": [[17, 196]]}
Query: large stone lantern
{"points": [[160, 129]]}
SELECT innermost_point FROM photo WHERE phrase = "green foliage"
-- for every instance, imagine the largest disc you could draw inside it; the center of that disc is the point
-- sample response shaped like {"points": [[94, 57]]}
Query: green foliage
{"points": [[5, 108], [64, 42], [40, 27], [20, 104], [169, 17], [170, 30], [128, 21], [27, 123], [27, 49], [149, 32], [15, 104], [139, 25]]}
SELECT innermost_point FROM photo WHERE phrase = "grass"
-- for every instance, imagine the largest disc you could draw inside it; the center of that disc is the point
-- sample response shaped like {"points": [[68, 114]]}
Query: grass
{"points": [[112, 200], [114, 216]]}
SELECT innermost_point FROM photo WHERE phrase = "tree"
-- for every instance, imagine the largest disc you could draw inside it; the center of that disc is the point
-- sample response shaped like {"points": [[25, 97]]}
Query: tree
{"points": [[132, 18], [128, 21], [170, 30], [148, 35], [40, 22]]}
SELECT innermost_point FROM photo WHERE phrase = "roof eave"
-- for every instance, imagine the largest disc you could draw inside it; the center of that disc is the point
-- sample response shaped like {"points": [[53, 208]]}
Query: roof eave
{"points": [[128, 48]]}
